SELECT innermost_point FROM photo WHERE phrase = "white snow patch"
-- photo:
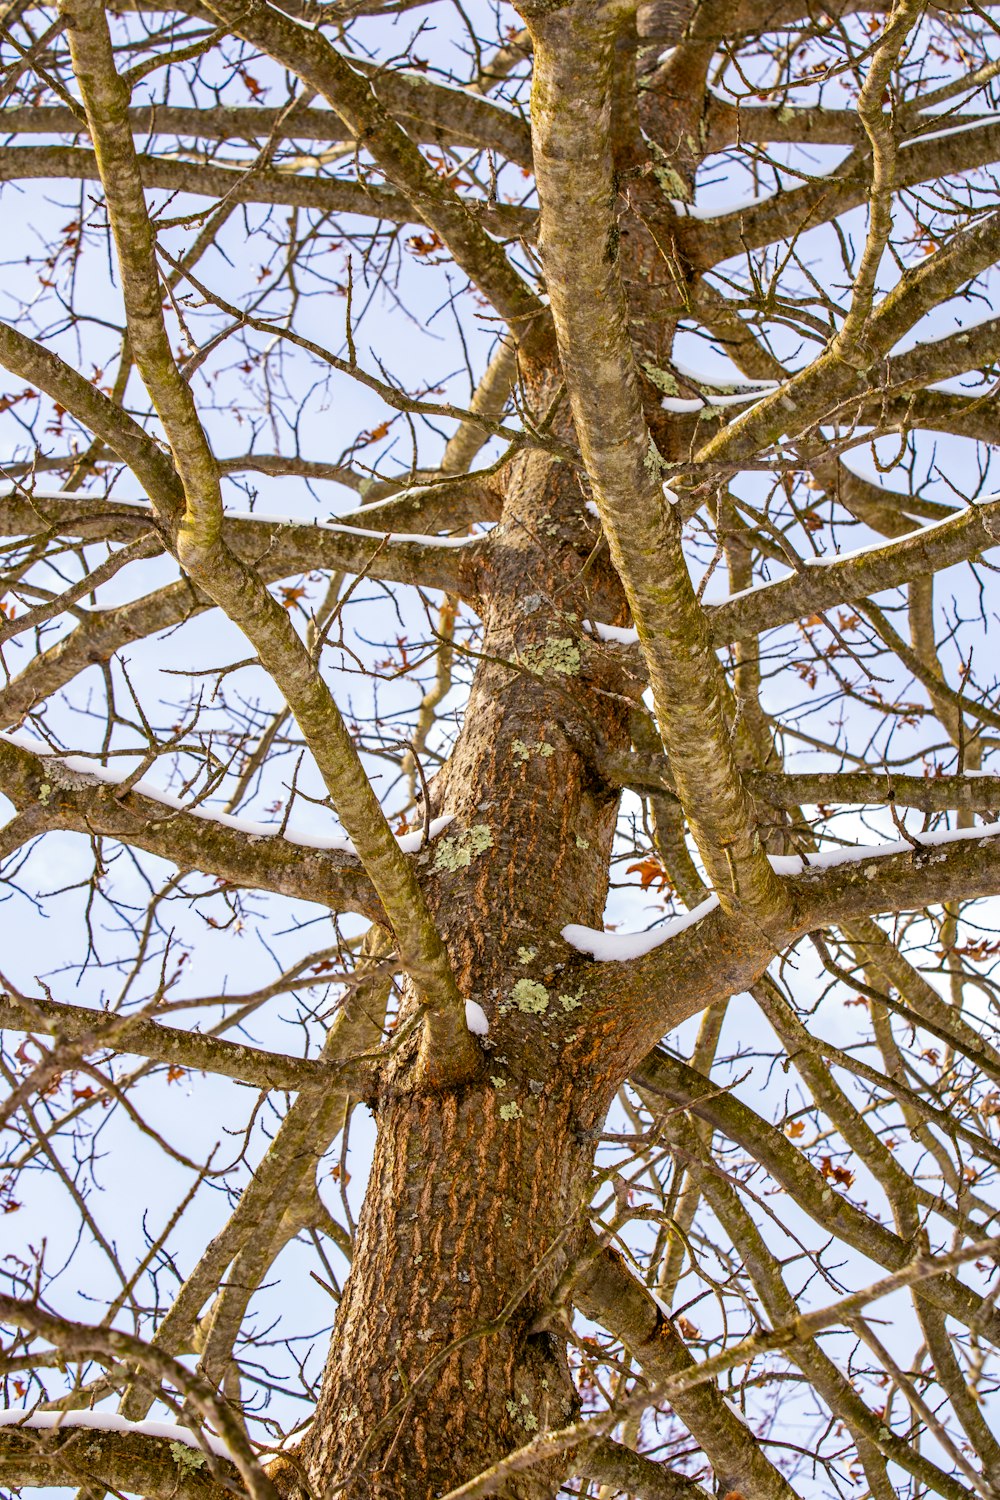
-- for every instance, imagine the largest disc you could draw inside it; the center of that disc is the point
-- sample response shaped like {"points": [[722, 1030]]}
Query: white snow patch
{"points": [[659, 1303], [795, 864], [621, 635], [725, 382], [475, 1019], [263, 519], [619, 947], [976, 123], [735, 1411], [410, 843], [736, 398], [109, 1421], [719, 210], [682, 404]]}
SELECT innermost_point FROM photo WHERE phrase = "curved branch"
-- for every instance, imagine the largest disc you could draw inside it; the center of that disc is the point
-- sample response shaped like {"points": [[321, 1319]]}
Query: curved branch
{"points": [[574, 51], [72, 800], [787, 214], [844, 577], [674, 1080], [441, 113], [609, 1294], [434, 202], [708, 956]]}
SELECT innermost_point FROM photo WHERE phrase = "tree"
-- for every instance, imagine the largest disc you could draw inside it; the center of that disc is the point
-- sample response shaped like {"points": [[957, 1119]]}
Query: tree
{"points": [[665, 611]]}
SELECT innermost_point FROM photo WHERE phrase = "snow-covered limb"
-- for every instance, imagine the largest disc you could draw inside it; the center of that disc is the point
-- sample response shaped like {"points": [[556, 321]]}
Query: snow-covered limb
{"points": [[842, 577], [621, 947], [49, 794], [109, 1421], [114, 1346], [128, 1459], [853, 854], [846, 576], [77, 765], [285, 544], [683, 969]]}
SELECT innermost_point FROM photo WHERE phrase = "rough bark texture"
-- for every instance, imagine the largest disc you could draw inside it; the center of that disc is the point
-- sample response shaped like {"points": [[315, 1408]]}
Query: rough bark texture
{"points": [[478, 1196], [437, 1368]]}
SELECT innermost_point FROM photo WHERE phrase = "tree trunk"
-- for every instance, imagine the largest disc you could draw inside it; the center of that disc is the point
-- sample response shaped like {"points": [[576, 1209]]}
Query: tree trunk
{"points": [[436, 1370], [440, 1363]]}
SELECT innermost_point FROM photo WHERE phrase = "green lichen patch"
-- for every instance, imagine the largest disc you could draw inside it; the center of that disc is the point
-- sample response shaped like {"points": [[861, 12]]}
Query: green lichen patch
{"points": [[653, 462], [458, 852], [525, 955], [581, 842], [559, 656], [498, 1082], [521, 1413], [671, 182], [662, 379], [511, 1111], [523, 752], [570, 1002], [188, 1460], [530, 997]]}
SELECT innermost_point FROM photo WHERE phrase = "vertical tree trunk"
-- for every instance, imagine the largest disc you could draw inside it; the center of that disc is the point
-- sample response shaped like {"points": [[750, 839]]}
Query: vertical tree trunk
{"points": [[438, 1364], [436, 1370]]}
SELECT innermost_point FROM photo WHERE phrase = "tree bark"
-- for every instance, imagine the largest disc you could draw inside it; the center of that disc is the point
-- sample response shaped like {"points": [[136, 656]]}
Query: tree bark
{"points": [[440, 1363], [437, 1369]]}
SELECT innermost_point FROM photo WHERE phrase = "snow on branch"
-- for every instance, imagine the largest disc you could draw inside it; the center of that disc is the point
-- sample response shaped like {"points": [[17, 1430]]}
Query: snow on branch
{"points": [[620, 947], [109, 1421], [77, 765]]}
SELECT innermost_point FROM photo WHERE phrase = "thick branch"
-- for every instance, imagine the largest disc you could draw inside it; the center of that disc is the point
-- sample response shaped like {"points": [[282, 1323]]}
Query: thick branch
{"points": [[849, 576], [442, 114], [434, 202], [574, 49], [83, 804], [675, 1081], [790, 213], [795, 789], [328, 195], [278, 547], [238, 590], [122, 1462], [609, 1294], [717, 956], [101, 1030]]}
